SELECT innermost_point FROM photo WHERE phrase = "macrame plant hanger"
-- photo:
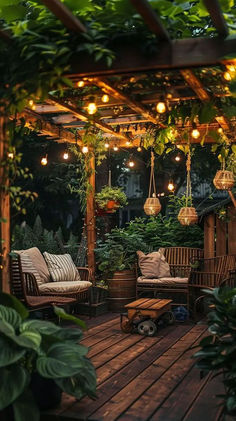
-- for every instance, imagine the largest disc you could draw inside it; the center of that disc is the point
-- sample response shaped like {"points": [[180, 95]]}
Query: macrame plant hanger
{"points": [[188, 215], [152, 204]]}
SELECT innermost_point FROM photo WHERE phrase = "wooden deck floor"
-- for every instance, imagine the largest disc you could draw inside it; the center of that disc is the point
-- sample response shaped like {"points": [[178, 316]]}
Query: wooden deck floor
{"points": [[142, 378]]}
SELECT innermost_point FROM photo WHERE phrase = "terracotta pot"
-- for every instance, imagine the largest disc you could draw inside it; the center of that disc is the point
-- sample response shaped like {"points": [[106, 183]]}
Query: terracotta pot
{"points": [[111, 206]]}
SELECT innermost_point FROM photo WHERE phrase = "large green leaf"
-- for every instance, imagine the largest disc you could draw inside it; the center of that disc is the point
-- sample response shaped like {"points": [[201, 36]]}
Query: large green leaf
{"points": [[52, 368], [14, 380], [9, 353], [69, 334], [64, 351], [63, 315], [28, 339], [11, 301], [10, 13], [10, 316], [41, 326], [25, 407]]}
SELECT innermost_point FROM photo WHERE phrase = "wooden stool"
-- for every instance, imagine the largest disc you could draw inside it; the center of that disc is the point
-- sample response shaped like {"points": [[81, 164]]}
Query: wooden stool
{"points": [[151, 310]]}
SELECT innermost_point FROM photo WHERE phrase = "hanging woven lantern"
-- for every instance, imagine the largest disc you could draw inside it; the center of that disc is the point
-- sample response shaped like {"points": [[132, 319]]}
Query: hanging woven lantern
{"points": [[152, 204], [187, 216], [224, 180]]}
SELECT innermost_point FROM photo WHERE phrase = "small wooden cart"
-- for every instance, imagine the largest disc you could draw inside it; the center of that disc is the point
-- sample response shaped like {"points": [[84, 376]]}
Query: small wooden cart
{"points": [[144, 314]]}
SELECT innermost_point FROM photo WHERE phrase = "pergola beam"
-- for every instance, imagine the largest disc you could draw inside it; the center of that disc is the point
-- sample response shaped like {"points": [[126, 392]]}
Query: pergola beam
{"points": [[116, 93], [151, 19], [202, 94], [83, 117], [214, 9], [70, 21]]}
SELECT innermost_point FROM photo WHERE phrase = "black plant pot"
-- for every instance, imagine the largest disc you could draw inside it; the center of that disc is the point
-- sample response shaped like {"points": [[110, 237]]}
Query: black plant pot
{"points": [[46, 392]]}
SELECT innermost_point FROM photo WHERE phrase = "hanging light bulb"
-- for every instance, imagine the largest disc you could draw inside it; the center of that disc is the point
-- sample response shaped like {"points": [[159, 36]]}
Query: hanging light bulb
{"points": [[92, 107], [105, 98], [44, 160], [139, 149], [31, 104], [65, 155], [177, 158], [171, 186], [195, 132], [128, 143], [10, 155], [131, 162], [161, 107], [80, 83], [231, 68], [115, 148], [106, 145], [227, 76], [85, 149], [220, 130]]}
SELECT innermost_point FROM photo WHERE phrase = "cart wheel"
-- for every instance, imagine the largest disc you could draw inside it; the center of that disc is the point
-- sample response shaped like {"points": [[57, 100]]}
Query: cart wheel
{"points": [[168, 318], [126, 326], [147, 328]]}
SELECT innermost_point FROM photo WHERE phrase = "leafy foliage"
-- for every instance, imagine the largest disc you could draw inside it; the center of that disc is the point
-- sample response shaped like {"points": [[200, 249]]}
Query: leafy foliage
{"points": [[218, 350], [37, 346], [111, 193]]}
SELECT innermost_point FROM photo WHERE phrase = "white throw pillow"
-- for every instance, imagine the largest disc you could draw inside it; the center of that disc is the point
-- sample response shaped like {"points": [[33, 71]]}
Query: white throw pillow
{"points": [[61, 267], [164, 268]]}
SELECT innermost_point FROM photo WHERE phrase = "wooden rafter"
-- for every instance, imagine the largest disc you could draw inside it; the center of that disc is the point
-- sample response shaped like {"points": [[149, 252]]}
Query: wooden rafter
{"points": [[202, 94], [116, 93], [64, 15], [48, 129], [151, 18], [83, 117], [217, 17]]}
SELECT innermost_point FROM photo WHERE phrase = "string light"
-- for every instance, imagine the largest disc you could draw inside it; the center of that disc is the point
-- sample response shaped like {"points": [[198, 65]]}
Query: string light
{"points": [[85, 149], [115, 148], [65, 155], [220, 130], [31, 104], [80, 83], [177, 158], [231, 68], [10, 155], [171, 186], [128, 142], [161, 107], [106, 145], [92, 107], [195, 132], [139, 149], [227, 76], [44, 160], [131, 163], [105, 98]]}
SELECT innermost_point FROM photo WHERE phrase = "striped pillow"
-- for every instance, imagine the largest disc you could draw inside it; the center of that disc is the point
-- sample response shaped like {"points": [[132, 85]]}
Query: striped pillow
{"points": [[27, 266], [61, 267]]}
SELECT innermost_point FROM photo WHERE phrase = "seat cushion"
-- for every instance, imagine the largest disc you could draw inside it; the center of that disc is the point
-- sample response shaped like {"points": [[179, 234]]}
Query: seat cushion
{"points": [[38, 262], [168, 281], [61, 267], [64, 287]]}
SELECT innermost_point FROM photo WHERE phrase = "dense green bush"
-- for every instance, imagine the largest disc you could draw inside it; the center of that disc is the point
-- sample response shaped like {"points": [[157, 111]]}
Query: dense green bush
{"points": [[25, 237]]}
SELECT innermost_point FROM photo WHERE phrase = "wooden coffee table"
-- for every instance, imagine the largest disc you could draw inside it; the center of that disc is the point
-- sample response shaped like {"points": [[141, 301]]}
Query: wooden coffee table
{"points": [[145, 308]]}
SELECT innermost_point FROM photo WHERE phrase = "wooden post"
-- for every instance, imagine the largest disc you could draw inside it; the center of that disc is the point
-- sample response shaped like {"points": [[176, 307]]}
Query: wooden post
{"points": [[209, 236], [220, 237], [232, 230], [4, 211], [90, 218]]}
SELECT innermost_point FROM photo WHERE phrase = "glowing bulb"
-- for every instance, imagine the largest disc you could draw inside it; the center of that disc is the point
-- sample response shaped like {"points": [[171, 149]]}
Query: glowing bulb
{"points": [[128, 142], [195, 133], [115, 148], [177, 158], [171, 186], [92, 108], [220, 130], [80, 84], [44, 161], [161, 107], [231, 67], [31, 103], [139, 149], [131, 164], [85, 149], [65, 155], [105, 98], [10, 155], [227, 76], [106, 145]]}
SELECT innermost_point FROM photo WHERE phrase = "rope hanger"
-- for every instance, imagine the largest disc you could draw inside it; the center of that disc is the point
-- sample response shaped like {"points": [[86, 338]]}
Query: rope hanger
{"points": [[152, 185]]}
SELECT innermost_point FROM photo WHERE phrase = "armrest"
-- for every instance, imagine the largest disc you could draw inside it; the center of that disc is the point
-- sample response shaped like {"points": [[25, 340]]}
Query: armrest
{"points": [[30, 286], [182, 271], [85, 273], [206, 279]]}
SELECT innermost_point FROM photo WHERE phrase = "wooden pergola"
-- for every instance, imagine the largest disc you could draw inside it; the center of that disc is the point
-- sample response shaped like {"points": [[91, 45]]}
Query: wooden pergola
{"points": [[184, 69]]}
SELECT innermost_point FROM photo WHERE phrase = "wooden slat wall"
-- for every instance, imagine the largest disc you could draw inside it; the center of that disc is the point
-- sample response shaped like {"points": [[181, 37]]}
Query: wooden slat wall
{"points": [[221, 240], [209, 236], [232, 230]]}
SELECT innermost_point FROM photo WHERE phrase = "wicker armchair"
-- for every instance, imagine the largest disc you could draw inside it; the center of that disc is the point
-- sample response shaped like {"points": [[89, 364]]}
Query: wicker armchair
{"points": [[209, 273]]}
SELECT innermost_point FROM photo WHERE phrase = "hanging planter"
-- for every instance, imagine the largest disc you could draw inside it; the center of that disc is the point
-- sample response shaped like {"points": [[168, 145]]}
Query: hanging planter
{"points": [[188, 214], [110, 199], [224, 180], [152, 204]]}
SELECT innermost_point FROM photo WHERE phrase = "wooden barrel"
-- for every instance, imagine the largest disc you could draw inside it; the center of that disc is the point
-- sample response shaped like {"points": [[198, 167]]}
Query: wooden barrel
{"points": [[122, 290]]}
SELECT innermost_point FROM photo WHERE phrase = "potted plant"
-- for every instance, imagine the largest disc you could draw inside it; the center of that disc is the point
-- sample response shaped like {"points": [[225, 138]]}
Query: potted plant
{"points": [[218, 350], [38, 360], [109, 199], [116, 258]]}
